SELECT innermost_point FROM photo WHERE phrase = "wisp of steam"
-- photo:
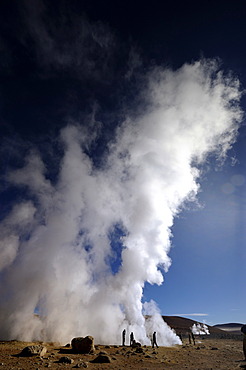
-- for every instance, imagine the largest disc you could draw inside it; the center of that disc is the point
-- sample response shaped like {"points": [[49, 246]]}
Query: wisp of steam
{"points": [[77, 251], [200, 329]]}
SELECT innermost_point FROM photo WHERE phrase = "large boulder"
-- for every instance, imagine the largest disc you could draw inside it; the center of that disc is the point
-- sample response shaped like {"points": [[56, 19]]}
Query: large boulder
{"points": [[35, 350], [83, 345]]}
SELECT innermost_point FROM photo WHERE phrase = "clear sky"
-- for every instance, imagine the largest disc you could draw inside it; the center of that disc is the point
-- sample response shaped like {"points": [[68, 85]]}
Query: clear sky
{"points": [[207, 274], [101, 127]]}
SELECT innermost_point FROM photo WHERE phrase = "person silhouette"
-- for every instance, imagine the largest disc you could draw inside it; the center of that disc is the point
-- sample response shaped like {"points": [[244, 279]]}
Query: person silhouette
{"points": [[154, 342], [124, 337], [131, 338], [193, 338]]}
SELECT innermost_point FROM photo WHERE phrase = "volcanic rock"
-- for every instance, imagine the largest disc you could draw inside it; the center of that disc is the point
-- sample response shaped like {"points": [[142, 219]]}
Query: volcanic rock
{"points": [[139, 350], [35, 350], [81, 364], [103, 353], [102, 359], [83, 345], [66, 360]]}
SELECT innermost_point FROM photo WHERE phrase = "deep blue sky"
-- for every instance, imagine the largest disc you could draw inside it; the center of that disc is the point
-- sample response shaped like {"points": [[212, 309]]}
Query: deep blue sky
{"points": [[40, 91]]}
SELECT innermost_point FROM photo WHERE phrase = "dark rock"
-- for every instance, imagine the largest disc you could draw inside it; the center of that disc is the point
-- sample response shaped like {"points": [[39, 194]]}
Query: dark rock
{"points": [[66, 360], [83, 345], [136, 344], [81, 364], [35, 350], [103, 353], [102, 359], [139, 350]]}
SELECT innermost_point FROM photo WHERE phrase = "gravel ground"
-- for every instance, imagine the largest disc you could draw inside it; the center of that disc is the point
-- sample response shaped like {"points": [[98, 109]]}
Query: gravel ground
{"points": [[208, 353]]}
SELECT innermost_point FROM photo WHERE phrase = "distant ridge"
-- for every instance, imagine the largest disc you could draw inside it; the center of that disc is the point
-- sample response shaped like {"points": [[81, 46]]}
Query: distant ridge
{"points": [[182, 325], [229, 325], [232, 327]]}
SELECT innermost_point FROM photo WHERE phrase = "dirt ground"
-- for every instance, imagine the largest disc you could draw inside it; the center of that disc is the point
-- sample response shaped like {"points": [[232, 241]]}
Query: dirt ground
{"points": [[206, 354]]}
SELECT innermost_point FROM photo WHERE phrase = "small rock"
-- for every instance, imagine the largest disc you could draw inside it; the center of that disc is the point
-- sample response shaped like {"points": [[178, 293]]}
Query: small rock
{"points": [[66, 360], [139, 350], [33, 351], [103, 353], [214, 348], [81, 364], [102, 359]]}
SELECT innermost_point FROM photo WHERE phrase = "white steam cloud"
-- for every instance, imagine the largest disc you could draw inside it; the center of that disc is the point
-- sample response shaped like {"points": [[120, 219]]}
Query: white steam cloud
{"points": [[57, 248], [200, 329]]}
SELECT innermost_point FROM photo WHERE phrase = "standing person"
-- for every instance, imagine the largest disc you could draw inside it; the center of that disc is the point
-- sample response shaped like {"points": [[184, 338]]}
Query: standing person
{"points": [[243, 330], [189, 338], [193, 338], [131, 338], [154, 342], [123, 337]]}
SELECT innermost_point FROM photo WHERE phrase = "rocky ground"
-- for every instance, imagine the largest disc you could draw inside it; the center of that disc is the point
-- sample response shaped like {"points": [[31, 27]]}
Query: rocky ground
{"points": [[208, 353]]}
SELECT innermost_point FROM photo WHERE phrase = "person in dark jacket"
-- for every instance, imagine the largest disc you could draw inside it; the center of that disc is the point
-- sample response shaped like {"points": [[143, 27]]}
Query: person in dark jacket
{"points": [[154, 342], [124, 337], [131, 338]]}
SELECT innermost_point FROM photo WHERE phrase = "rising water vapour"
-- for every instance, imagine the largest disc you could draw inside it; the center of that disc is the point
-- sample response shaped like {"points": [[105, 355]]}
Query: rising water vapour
{"points": [[57, 246], [200, 329]]}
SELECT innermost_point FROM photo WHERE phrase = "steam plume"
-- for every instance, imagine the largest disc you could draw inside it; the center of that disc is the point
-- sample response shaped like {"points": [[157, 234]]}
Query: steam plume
{"points": [[81, 249]]}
